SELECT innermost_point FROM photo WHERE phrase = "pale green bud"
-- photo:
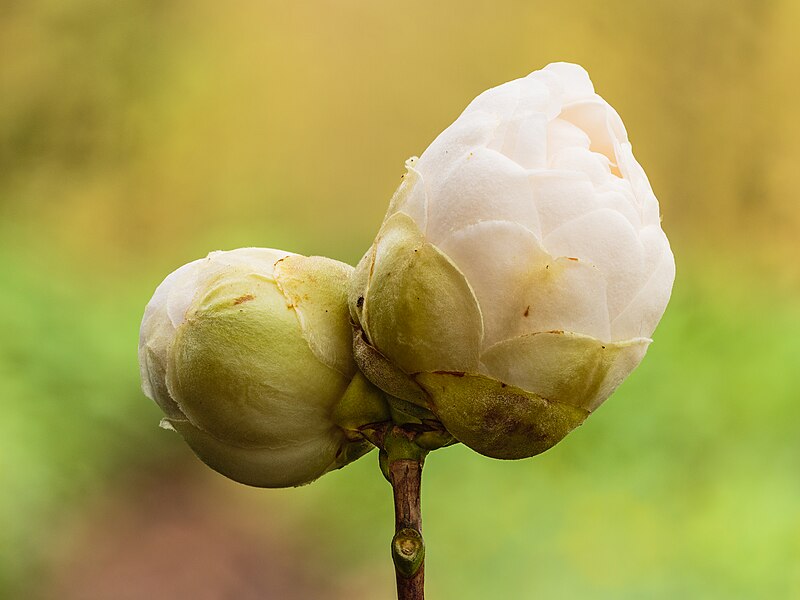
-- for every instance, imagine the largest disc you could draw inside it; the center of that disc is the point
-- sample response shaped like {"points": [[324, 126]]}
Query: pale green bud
{"points": [[248, 352], [520, 270]]}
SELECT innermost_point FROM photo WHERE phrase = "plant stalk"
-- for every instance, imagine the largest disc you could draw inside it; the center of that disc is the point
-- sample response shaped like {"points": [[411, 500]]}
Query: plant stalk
{"points": [[408, 548]]}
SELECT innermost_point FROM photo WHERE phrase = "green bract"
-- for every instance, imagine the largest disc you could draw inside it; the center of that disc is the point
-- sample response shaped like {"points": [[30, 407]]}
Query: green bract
{"points": [[248, 353]]}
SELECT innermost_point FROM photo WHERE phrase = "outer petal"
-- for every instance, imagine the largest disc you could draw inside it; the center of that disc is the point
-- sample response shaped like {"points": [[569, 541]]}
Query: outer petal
{"points": [[473, 129], [292, 465], [499, 259], [316, 287], [419, 310], [562, 134], [632, 171], [581, 160], [483, 185], [574, 79], [616, 194], [229, 372], [359, 287], [155, 338], [521, 133], [500, 100], [560, 196], [167, 310], [568, 294], [523, 139], [643, 313], [564, 367], [606, 239], [410, 196], [600, 122], [181, 296]]}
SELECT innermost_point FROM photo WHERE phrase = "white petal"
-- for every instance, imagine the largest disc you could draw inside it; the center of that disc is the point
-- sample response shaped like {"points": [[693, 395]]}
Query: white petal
{"points": [[474, 128], [632, 171], [537, 96], [619, 197], [606, 239], [260, 260], [155, 314], [520, 134], [484, 185], [500, 100], [497, 258], [574, 80], [560, 196], [415, 204], [643, 313], [568, 294], [471, 130], [594, 164], [156, 335], [183, 291], [563, 134], [562, 367], [522, 289], [524, 139], [600, 123]]}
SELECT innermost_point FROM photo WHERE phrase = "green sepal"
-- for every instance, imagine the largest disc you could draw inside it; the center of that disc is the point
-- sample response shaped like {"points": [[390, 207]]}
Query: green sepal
{"points": [[404, 412], [384, 373], [383, 463], [433, 440], [353, 451], [361, 404], [496, 419], [419, 310], [399, 446], [359, 284]]}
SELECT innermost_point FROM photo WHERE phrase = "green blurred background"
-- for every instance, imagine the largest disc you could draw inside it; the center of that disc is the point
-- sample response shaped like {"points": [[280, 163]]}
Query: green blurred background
{"points": [[137, 135]]}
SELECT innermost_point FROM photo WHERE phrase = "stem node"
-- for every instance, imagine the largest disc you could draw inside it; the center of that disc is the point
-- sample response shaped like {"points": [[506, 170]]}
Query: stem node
{"points": [[408, 552]]}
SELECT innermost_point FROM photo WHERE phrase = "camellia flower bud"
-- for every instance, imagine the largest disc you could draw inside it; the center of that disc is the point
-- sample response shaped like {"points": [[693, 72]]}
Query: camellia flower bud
{"points": [[520, 270], [248, 352]]}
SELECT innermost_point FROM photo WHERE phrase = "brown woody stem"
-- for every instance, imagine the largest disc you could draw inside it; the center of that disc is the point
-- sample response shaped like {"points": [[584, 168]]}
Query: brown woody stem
{"points": [[408, 548], [401, 461]]}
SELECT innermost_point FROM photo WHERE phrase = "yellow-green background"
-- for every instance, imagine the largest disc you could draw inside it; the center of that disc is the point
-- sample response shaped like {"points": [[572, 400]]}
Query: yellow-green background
{"points": [[136, 135]]}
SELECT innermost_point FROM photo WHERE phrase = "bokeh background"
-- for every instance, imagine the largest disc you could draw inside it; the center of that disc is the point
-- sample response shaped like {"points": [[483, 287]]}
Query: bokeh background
{"points": [[137, 135]]}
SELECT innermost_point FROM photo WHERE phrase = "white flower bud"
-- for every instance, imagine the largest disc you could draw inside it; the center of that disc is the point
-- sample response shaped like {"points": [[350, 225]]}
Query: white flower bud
{"points": [[248, 353], [521, 268]]}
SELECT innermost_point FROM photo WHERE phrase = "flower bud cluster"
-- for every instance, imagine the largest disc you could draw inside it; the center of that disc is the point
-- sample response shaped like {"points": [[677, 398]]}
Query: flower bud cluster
{"points": [[514, 283]]}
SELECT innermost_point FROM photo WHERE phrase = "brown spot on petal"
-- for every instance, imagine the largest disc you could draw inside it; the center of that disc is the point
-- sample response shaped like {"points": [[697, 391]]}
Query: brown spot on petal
{"points": [[527, 311], [556, 331], [571, 258], [244, 298]]}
